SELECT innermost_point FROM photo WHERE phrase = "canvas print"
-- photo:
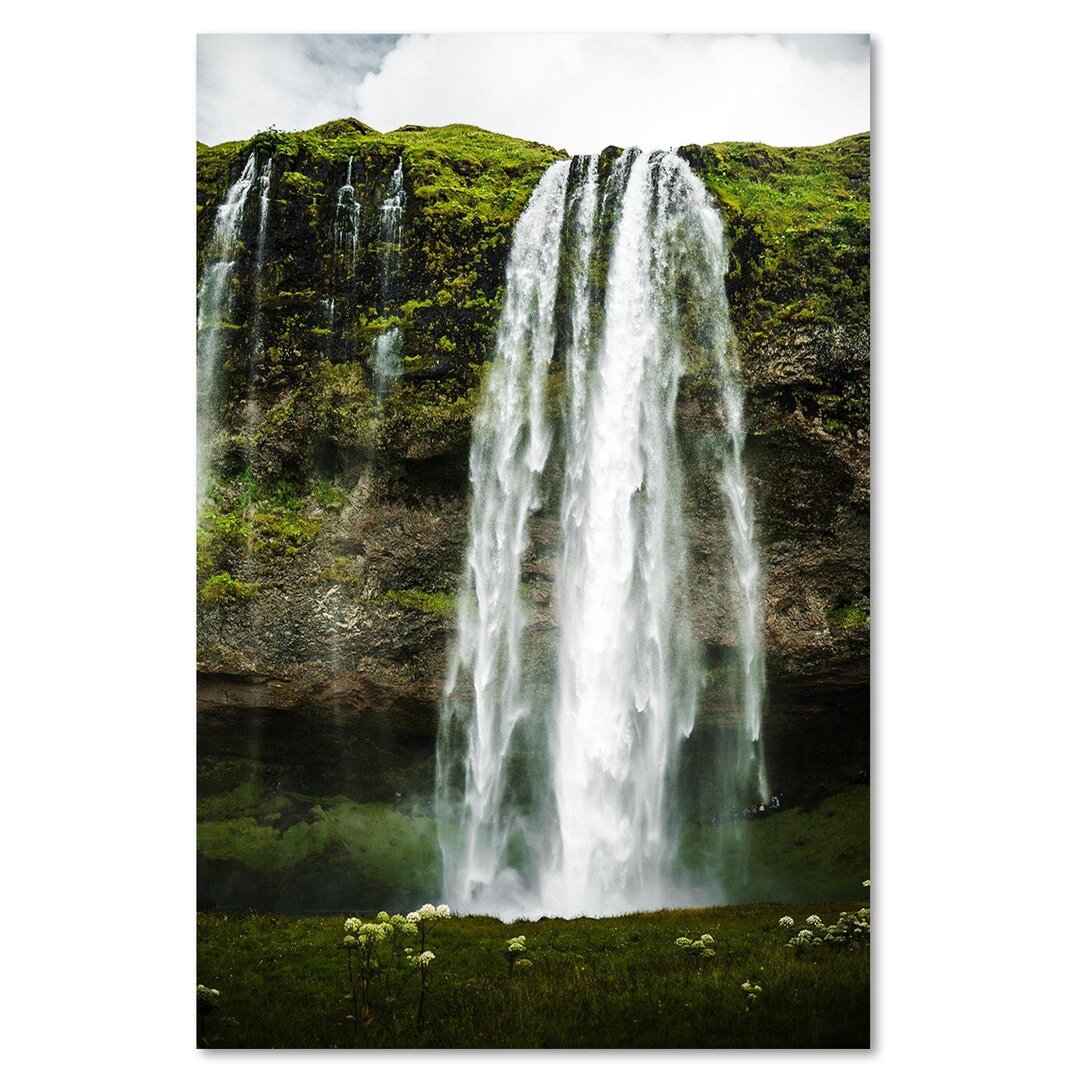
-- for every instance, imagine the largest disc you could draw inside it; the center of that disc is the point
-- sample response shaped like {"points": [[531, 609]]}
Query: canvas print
{"points": [[533, 541]]}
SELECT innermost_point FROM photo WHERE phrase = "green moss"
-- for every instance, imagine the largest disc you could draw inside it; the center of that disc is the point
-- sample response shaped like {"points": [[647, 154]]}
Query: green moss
{"points": [[345, 414], [851, 616], [429, 416], [328, 496], [281, 531], [418, 600], [799, 224], [223, 588], [299, 184], [341, 572]]}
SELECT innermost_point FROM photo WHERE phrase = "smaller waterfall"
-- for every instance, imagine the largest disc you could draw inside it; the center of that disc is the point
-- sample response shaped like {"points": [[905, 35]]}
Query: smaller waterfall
{"points": [[386, 361], [215, 300], [708, 271], [746, 584], [391, 228], [262, 186], [347, 218]]}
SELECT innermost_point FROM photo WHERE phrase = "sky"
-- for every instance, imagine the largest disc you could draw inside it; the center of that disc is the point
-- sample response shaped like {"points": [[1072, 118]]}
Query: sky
{"points": [[578, 92]]}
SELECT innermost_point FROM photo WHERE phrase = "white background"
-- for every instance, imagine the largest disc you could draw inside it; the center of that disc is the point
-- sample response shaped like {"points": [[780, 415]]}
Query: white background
{"points": [[974, 600]]}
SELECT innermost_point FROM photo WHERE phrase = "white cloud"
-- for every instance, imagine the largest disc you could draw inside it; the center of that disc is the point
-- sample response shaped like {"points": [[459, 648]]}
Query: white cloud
{"points": [[585, 91], [246, 82], [577, 91]]}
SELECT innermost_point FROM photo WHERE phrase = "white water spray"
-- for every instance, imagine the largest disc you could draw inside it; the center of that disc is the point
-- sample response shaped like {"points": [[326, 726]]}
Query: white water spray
{"points": [[562, 803]]}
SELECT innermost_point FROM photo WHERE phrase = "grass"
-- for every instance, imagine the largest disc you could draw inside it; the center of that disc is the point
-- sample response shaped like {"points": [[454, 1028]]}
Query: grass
{"points": [[789, 856], [799, 224], [614, 982]]}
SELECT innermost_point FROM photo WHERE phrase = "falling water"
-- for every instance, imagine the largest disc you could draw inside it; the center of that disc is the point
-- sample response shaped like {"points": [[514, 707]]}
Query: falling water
{"points": [[214, 301], [386, 362], [485, 730], [561, 802], [626, 676], [262, 186], [347, 218]]}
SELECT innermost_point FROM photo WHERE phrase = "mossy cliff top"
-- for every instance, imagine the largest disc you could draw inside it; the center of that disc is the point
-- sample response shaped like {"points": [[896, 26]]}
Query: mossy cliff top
{"points": [[297, 405]]}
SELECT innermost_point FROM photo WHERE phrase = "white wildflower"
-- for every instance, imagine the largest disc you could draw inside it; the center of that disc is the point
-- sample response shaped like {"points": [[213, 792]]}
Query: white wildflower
{"points": [[787, 922], [443, 911]]}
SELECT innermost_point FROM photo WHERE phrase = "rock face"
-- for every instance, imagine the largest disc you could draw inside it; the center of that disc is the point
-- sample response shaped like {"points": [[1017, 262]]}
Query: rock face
{"points": [[332, 538]]}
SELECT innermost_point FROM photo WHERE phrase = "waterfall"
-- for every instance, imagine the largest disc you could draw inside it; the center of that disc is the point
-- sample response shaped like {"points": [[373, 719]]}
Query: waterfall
{"points": [[557, 759], [487, 726], [626, 678], [214, 302], [346, 230], [386, 361], [262, 186]]}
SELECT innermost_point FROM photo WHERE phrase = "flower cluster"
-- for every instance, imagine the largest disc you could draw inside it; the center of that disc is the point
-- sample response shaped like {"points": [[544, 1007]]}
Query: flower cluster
{"points": [[751, 990], [378, 961], [866, 884], [429, 913], [359, 933], [206, 997], [515, 953], [700, 947], [849, 928]]}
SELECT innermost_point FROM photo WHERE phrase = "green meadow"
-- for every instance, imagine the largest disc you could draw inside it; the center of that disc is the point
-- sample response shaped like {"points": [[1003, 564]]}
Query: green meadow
{"points": [[612, 982]]}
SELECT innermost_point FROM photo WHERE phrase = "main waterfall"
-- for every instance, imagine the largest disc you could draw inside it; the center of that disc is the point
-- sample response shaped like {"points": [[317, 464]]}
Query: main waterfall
{"points": [[558, 760]]}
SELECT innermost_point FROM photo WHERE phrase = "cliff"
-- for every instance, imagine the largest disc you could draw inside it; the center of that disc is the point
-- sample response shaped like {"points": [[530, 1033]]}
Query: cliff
{"points": [[330, 543]]}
